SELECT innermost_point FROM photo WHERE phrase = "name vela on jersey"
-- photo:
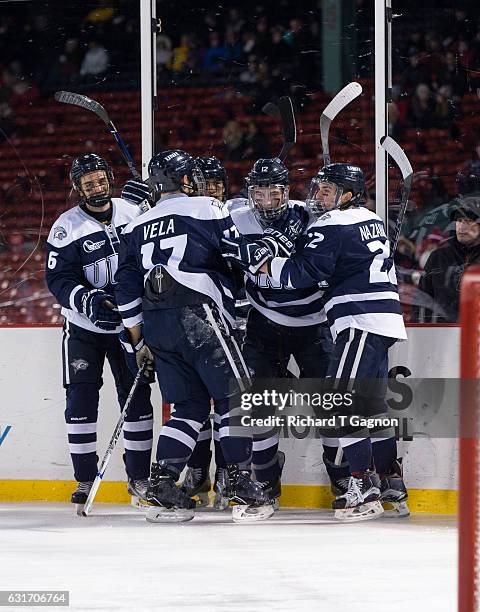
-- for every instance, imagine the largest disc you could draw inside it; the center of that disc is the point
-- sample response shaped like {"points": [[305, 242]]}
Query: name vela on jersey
{"points": [[158, 228]]}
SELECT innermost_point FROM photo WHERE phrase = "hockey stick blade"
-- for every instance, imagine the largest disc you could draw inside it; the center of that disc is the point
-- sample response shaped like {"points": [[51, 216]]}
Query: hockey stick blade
{"points": [[399, 157], [335, 106], [289, 125], [397, 154], [284, 112], [68, 97]]}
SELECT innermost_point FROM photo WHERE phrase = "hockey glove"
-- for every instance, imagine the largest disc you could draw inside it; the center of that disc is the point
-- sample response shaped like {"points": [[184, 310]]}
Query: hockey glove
{"points": [[248, 255], [136, 354], [100, 308], [137, 192], [279, 242]]}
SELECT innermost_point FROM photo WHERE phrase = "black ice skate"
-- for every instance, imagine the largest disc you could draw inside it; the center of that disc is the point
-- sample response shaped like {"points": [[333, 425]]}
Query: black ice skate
{"points": [[171, 503], [361, 501], [273, 487], [197, 484], [252, 501], [393, 493], [138, 490], [220, 487], [80, 495]]}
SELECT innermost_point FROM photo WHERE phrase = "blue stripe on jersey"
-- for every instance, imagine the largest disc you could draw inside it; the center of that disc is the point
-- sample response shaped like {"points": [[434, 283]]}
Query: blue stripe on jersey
{"points": [[289, 307], [348, 254]]}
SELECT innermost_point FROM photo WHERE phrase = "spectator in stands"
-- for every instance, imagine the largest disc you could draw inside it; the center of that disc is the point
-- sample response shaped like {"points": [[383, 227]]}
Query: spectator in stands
{"points": [[233, 48], [181, 53], [421, 107], [453, 74], [7, 122], [235, 21], [214, 58], [446, 108], [414, 74], [234, 141], [249, 41], [66, 67], [249, 76], [256, 145], [164, 51], [446, 264], [95, 62]]}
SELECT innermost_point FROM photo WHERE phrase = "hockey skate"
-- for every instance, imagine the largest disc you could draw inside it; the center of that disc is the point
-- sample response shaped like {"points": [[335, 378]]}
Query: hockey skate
{"points": [[393, 493], [361, 501], [197, 484], [138, 491], [170, 504], [252, 502], [220, 488], [273, 487], [80, 495]]}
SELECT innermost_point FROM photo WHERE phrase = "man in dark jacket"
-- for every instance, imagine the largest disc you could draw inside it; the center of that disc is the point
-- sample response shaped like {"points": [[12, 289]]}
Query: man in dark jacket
{"points": [[445, 266]]}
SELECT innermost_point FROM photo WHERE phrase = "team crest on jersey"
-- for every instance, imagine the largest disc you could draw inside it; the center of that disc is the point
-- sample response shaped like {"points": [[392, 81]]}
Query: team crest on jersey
{"points": [[79, 364], [59, 232], [89, 246], [324, 217]]}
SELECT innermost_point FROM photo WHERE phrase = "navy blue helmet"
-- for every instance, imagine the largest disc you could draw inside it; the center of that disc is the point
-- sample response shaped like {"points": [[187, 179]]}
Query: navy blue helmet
{"points": [[267, 184], [345, 177], [213, 170], [167, 169], [91, 162]]}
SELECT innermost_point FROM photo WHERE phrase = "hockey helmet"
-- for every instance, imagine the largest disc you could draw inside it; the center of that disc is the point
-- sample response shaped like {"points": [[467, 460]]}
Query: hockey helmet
{"points": [[343, 178], [268, 187], [213, 172], [167, 169], [85, 164]]}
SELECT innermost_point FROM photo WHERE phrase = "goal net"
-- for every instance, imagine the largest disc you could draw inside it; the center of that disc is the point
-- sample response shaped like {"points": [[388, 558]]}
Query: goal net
{"points": [[469, 460]]}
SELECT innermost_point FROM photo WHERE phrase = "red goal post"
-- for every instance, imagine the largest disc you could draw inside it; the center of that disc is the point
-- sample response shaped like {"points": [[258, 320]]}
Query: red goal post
{"points": [[469, 458]]}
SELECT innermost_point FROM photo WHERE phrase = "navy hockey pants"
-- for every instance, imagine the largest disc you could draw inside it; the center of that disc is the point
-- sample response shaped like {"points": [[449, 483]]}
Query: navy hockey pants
{"points": [[196, 359], [84, 355]]}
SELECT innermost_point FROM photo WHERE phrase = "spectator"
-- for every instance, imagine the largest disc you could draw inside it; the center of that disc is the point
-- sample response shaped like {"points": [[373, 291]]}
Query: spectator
{"points": [[421, 107], [233, 48], [235, 22], [95, 61], [181, 53], [250, 75], [66, 67], [214, 59], [234, 141], [255, 142], [446, 264], [413, 75], [446, 107], [164, 51], [453, 74]]}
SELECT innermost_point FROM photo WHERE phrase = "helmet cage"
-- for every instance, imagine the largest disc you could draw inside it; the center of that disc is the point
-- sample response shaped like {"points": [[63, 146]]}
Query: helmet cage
{"points": [[267, 212], [316, 205]]}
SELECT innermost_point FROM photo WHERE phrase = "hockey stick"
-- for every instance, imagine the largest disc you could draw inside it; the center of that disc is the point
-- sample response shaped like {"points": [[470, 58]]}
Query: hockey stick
{"points": [[399, 157], [113, 442], [283, 111], [335, 106], [68, 97]]}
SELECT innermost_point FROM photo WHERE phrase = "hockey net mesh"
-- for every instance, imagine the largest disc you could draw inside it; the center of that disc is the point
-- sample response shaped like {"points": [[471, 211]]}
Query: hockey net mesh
{"points": [[469, 459]]}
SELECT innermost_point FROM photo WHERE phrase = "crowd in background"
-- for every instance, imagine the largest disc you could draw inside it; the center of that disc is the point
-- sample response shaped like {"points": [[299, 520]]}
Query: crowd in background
{"points": [[260, 52]]}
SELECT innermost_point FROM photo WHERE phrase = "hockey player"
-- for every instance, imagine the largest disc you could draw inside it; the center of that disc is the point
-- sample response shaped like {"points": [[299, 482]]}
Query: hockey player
{"points": [[282, 323], [82, 256], [197, 477], [348, 253], [172, 277]]}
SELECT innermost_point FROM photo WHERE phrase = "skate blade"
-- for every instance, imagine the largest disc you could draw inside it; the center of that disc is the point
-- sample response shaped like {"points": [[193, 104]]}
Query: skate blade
{"points": [[396, 509], [251, 514], [158, 514], [79, 510], [365, 512], [221, 503], [139, 503]]}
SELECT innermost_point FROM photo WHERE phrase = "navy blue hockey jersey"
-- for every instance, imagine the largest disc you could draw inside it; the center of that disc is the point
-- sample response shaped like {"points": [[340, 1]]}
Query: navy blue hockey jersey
{"points": [[82, 254], [348, 255], [182, 235], [283, 305]]}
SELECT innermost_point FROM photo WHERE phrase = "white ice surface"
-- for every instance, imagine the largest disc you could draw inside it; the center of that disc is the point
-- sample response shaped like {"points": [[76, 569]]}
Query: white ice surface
{"points": [[297, 560]]}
